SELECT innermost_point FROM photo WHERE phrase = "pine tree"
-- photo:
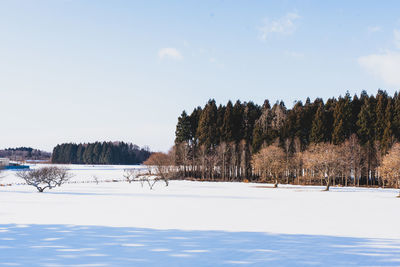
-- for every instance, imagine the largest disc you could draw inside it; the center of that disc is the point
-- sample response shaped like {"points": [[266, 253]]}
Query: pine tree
{"points": [[194, 123], [329, 109], [387, 138], [342, 120], [366, 122], [206, 130], [355, 110], [380, 110], [220, 120], [96, 153], [238, 123], [183, 129], [251, 114], [396, 116], [227, 135], [318, 129]]}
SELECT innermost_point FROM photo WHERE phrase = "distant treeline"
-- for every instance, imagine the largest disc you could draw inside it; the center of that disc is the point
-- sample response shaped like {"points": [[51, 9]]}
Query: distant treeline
{"points": [[219, 142], [99, 153], [24, 153]]}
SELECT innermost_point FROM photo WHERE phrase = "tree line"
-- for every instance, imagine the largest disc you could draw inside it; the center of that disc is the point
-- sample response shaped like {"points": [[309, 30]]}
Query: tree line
{"points": [[99, 153], [226, 142], [24, 153]]}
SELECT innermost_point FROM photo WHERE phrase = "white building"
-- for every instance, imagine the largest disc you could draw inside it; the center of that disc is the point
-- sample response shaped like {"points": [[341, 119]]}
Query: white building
{"points": [[4, 161]]}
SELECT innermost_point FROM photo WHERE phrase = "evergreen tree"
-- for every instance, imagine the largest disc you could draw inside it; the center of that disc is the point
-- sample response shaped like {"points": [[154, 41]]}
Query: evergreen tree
{"points": [[342, 120], [366, 122], [387, 138], [220, 120], [99, 153], [228, 124], [318, 130], [183, 129], [194, 123], [206, 130], [396, 116], [380, 110], [238, 123]]}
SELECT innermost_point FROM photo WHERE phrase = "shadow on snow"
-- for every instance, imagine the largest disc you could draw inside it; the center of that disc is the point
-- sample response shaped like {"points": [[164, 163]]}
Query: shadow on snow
{"points": [[68, 245]]}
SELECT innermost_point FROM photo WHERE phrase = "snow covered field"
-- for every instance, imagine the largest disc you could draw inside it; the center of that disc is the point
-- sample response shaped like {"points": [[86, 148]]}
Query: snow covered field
{"points": [[195, 224]]}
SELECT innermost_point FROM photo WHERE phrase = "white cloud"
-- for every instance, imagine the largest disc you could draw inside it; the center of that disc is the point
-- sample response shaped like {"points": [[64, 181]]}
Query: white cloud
{"points": [[396, 35], [372, 29], [283, 25], [171, 53], [385, 66]]}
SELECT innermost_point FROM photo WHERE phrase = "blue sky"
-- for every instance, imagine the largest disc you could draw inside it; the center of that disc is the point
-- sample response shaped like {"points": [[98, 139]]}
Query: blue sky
{"points": [[81, 71]]}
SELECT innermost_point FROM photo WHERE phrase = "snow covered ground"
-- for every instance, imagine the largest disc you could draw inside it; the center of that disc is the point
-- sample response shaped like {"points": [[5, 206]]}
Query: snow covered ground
{"points": [[195, 224]]}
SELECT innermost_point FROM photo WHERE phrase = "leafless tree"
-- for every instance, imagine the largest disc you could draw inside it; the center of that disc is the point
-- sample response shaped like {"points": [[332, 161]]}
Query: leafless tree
{"points": [[270, 161], [163, 165], [324, 159], [390, 167], [182, 156], [96, 179], [45, 178], [131, 175]]}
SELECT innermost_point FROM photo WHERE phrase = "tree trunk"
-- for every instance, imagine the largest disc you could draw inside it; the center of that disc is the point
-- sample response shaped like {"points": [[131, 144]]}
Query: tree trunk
{"points": [[276, 183], [328, 184]]}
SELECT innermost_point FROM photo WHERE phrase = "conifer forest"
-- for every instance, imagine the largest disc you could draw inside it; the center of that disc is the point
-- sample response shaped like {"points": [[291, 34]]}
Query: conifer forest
{"points": [[99, 153], [349, 140]]}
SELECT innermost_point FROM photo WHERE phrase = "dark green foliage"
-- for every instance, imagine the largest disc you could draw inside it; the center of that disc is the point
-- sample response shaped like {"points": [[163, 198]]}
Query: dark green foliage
{"points": [[228, 123], [366, 122], [99, 153], [183, 129], [318, 130], [387, 138], [218, 142], [373, 119], [380, 110], [342, 120], [207, 128]]}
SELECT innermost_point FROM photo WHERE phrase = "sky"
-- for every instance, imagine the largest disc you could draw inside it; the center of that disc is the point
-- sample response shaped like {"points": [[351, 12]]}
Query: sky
{"points": [[85, 71]]}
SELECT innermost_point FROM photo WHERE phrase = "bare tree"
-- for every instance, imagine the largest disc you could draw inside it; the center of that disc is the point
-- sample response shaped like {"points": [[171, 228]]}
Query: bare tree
{"points": [[324, 159], [96, 179], [163, 164], [45, 178], [131, 175], [270, 162], [182, 155], [390, 168]]}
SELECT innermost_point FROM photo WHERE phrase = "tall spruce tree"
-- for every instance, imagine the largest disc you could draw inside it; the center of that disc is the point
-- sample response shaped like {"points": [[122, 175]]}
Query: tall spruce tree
{"points": [[380, 110], [228, 124], [366, 122], [206, 130], [396, 116], [318, 129], [387, 138], [183, 129], [342, 120]]}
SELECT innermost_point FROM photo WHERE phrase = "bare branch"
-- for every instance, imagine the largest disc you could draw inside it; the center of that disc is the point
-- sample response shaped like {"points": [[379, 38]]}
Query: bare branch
{"points": [[45, 178]]}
